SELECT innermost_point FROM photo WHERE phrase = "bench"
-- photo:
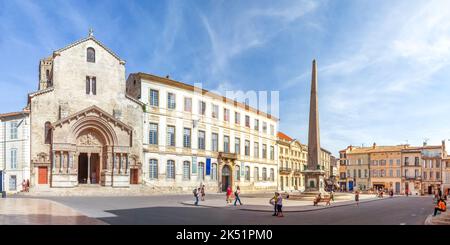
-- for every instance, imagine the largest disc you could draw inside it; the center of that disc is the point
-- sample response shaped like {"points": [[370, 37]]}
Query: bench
{"points": [[326, 200]]}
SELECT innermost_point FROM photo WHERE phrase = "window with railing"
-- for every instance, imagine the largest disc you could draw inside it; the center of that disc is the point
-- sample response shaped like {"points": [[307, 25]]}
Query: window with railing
{"points": [[201, 140]]}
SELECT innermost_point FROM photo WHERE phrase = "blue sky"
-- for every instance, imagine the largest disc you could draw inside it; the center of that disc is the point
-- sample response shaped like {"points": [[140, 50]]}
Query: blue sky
{"points": [[383, 65]]}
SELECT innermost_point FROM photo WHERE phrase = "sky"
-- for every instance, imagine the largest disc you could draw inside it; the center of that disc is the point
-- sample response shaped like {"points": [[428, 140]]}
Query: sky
{"points": [[383, 66]]}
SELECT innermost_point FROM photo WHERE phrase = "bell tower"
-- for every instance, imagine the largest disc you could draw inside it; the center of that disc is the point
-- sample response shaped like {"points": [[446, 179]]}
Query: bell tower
{"points": [[45, 73]]}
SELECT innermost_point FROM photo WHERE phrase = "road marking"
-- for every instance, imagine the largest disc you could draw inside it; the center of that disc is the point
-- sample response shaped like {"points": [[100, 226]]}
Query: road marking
{"points": [[414, 215], [402, 223]]}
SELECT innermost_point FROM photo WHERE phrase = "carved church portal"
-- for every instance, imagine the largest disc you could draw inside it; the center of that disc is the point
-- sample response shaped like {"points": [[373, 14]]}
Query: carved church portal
{"points": [[88, 168]]}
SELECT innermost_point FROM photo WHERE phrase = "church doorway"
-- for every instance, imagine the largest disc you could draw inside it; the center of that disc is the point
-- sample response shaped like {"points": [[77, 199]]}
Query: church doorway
{"points": [[89, 168], [226, 177]]}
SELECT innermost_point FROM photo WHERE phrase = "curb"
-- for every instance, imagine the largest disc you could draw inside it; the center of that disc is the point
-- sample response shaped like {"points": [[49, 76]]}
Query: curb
{"points": [[428, 220], [290, 211]]}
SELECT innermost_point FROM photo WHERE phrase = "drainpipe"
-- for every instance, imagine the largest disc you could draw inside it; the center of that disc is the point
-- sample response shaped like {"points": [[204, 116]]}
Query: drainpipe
{"points": [[4, 156]]}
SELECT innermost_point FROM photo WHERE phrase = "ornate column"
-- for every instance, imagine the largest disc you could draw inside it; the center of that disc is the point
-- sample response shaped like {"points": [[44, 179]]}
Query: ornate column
{"points": [[126, 163], [120, 163], [89, 168], [69, 161], [53, 161], [61, 161]]}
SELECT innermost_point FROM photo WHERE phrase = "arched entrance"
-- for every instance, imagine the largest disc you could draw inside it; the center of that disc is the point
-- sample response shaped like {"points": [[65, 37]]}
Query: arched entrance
{"points": [[90, 147], [226, 177]]}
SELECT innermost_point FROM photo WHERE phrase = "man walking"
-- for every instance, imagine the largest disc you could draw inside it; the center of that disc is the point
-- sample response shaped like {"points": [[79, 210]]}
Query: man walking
{"points": [[196, 191], [236, 196]]}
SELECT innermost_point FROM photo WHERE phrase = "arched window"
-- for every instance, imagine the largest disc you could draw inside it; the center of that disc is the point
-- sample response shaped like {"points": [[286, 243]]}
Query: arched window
{"points": [[90, 55], [214, 171], [264, 174], [153, 173], [48, 133], [238, 172], [247, 173], [170, 169], [201, 171], [256, 176], [186, 170], [272, 174]]}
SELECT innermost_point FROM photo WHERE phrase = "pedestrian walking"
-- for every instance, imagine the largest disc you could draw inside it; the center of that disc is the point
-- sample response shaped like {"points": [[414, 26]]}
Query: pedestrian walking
{"points": [[202, 191], [236, 196], [440, 193], [280, 206], [195, 192], [27, 187], [273, 201], [357, 198], [332, 196], [24, 185], [228, 194], [441, 206]]}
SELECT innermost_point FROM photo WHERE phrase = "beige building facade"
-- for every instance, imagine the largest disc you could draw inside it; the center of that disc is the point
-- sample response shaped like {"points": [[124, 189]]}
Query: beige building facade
{"points": [[194, 137], [293, 157], [402, 168]]}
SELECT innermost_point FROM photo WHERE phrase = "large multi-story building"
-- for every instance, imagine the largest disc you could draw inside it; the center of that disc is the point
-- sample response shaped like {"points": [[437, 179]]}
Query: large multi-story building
{"points": [[402, 168], [411, 170], [446, 175], [14, 150], [293, 157], [292, 160], [432, 168], [195, 137], [385, 167]]}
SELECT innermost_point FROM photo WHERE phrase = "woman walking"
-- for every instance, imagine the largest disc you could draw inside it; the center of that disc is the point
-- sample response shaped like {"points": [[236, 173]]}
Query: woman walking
{"points": [[273, 201], [202, 191], [280, 205], [229, 194], [236, 196]]}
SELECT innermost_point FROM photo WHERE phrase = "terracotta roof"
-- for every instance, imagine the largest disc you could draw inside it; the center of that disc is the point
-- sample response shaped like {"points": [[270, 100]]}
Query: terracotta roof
{"points": [[396, 148], [281, 135], [189, 87], [12, 114]]}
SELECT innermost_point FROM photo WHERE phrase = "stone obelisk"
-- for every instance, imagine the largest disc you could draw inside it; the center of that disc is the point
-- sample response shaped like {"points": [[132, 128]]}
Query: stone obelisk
{"points": [[314, 175]]}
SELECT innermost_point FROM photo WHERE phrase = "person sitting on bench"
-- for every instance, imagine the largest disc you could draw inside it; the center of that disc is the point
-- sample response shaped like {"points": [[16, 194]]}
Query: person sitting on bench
{"points": [[320, 199], [441, 206]]}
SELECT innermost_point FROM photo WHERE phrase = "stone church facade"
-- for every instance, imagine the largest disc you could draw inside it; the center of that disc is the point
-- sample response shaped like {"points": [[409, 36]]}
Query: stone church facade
{"points": [[84, 128]]}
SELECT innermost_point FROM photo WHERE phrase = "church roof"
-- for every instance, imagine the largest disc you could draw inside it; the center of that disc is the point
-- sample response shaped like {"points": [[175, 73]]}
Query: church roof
{"points": [[90, 37]]}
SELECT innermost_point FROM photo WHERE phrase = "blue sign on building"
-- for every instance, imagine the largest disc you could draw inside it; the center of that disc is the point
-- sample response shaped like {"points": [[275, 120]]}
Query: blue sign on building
{"points": [[208, 166]]}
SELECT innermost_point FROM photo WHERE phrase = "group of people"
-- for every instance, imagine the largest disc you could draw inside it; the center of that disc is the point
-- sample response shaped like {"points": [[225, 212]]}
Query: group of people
{"points": [[199, 192], [237, 194], [277, 202], [26, 185]]}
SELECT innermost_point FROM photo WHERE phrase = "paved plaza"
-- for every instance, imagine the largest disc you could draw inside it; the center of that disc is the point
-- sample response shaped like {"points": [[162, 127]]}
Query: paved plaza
{"points": [[29, 211], [178, 210]]}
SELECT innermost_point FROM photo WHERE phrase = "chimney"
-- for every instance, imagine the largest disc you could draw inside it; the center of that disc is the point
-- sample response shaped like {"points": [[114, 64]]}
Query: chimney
{"points": [[167, 76], [374, 145], [350, 147]]}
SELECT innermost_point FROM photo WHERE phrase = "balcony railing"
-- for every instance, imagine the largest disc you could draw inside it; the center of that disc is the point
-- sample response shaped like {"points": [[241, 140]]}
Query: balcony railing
{"points": [[297, 172], [285, 170]]}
